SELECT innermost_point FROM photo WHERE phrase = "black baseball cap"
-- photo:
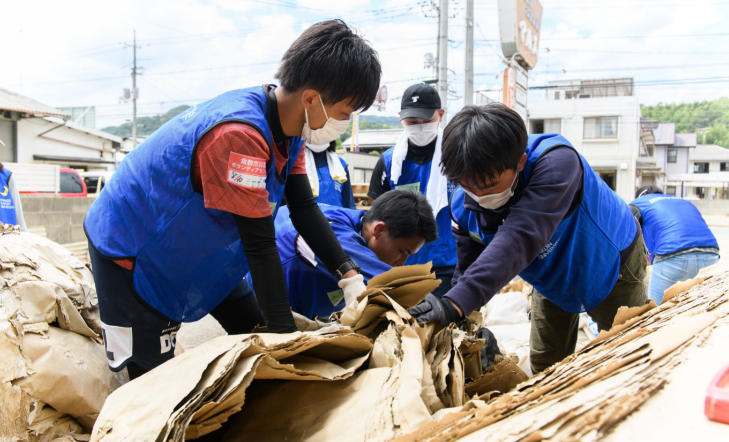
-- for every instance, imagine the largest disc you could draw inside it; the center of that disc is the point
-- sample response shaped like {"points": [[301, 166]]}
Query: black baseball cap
{"points": [[419, 101]]}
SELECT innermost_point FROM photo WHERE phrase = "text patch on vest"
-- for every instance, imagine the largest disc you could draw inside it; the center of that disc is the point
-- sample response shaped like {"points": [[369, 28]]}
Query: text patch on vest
{"points": [[246, 171], [415, 187]]}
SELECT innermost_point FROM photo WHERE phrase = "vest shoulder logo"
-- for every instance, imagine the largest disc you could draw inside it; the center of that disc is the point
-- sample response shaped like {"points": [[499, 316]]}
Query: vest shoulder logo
{"points": [[190, 113]]}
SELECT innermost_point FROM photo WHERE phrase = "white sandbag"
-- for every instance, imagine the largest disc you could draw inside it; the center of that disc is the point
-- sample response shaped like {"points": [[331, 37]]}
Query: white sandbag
{"points": [[506, 309]]}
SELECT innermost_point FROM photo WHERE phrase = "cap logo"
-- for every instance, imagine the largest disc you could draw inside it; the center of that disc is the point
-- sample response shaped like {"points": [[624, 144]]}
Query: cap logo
{"points": [[415, 99]]}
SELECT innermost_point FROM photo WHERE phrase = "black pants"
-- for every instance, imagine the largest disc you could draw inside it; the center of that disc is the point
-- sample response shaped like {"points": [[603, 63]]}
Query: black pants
{"points": [[137, 334]]}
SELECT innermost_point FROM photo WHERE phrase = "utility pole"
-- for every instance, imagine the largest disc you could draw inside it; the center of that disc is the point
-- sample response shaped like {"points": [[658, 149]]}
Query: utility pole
{"points": [[443, 57], [468, 94], [135, 93]]}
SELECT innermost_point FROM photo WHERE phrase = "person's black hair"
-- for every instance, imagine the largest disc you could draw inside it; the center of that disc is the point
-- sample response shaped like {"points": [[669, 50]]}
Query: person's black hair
{"points": [[331, 58], [482, 142], [645, 190], [406, 213], [332, 146]]}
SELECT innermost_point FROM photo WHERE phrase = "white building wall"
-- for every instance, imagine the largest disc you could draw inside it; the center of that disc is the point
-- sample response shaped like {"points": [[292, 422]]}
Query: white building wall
{"points": [[619, 154], [29, 143]]}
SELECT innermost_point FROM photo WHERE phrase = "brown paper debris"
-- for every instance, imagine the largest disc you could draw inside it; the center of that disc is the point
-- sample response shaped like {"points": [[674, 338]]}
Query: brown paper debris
{"points": [[54, 367], [500, 378], [585, 395], [378, 370]]}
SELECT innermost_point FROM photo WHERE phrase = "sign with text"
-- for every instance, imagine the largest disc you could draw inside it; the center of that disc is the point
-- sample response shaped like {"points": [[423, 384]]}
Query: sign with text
{"points": [[520, 22], [509, 81]]}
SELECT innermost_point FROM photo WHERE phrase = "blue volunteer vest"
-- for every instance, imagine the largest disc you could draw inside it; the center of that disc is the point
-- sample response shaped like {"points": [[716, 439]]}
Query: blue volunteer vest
{"points": [[187, 258], [672, 224], [330, 191], [7, 205], [312, 290], [415, 177], [579, 265]]}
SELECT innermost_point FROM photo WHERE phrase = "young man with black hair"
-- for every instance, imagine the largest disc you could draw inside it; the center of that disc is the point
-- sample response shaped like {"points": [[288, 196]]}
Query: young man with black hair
{"points": [[328, 176], [679, 241], [414, 163], [191, 210], [396, 227], [532, 206]]}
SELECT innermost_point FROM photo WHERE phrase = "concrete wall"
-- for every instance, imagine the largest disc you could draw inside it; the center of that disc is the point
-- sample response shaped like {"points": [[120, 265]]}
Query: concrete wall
{"points": [[62, 217]]}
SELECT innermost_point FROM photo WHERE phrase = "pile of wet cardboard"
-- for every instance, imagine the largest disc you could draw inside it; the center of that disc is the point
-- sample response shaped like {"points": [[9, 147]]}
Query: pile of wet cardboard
{"points": [[372, 375], [54, 376], [584, 396]]}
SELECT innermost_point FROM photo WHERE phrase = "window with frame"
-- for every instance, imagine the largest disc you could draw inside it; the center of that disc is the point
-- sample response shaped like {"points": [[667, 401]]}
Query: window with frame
{"points": [[601, 127], [724, 167], [672, 155], [701, 167], [671, 190], [547, 126], [556, 95]]}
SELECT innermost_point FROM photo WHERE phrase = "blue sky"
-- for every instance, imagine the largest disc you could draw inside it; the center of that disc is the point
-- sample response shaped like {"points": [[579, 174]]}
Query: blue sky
{"points": [[72, 54]]}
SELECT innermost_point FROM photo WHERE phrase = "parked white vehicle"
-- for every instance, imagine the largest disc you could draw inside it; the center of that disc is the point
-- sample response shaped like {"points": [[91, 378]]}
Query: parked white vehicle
{"points": [[95, 181]]}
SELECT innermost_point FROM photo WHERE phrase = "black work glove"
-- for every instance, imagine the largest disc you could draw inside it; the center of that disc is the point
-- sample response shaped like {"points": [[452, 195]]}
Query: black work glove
{"points": [[490, 348], [434, 309]]}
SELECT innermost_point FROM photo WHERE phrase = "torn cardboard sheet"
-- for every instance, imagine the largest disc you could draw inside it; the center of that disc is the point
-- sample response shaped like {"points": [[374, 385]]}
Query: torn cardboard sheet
{"points": [[500, 378], [585, 395], [386, 376], [194, 393], [50, 341], [395, 291]]}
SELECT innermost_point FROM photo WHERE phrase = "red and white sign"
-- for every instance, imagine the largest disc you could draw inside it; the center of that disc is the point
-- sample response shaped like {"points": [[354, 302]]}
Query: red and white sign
{"points": [[509, 81], [383, 94], [246, 171]]}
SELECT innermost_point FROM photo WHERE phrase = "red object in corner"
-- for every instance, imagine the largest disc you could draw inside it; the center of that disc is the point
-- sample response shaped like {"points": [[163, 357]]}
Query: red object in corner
{"points": [[716, 405]]}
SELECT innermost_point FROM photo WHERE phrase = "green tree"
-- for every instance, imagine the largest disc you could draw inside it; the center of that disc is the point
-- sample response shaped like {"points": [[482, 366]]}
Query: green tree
{"points": [[690, 117], [146, 125]]}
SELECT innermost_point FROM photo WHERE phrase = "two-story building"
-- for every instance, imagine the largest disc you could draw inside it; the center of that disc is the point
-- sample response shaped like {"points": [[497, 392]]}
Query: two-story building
{"points": [[601, 118], [704, 175]]}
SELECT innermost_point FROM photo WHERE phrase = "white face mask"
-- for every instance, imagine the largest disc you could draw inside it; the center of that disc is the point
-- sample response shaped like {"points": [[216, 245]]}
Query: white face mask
{"points": [[422, 134], [331, 131], [493, 202], [318, 148]]}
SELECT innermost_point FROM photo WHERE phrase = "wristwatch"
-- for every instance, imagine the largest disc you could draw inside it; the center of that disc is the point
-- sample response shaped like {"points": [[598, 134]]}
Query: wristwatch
{"points": [[347, 266]]}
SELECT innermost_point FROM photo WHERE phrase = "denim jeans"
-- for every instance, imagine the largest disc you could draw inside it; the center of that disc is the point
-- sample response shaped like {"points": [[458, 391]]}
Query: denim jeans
{"points": [[679, 268]]}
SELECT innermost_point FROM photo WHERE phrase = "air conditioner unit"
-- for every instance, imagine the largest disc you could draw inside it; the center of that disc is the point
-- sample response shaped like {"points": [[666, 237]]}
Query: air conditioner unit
{"points": [[585, 96]]}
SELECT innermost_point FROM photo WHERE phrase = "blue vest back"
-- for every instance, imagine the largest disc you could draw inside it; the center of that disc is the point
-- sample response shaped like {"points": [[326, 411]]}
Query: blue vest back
{"points": [[312, 290], [671, 224], [579, 265], [330, 191], [7, 205], [187, 258], [415, 177]]}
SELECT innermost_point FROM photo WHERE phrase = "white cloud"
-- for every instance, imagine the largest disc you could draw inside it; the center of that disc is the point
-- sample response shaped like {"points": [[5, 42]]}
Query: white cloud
{"points": [[196, 49]]}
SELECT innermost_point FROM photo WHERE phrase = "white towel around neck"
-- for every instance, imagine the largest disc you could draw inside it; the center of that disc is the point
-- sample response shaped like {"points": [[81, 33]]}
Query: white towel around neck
{"points": [[336, 170], [437, 193]]}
